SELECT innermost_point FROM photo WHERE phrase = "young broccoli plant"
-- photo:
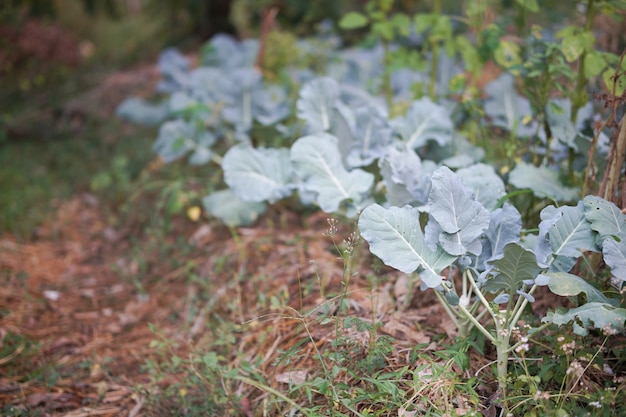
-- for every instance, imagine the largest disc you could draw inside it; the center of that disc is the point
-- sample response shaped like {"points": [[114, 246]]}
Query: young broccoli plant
{"points": [[471, 253]]}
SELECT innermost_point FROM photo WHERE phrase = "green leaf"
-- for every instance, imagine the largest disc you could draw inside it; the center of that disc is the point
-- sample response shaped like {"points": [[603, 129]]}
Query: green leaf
{"points": [[442, 28], [558, 118], [139, 111], [396, 237], [231, 210], [317, 103], [507, 54], [469, 53], [384, 29], [543, 181], [423, 21], [402, 23], [517, 265], [530, 5], [575, 42], [353, 20], [568, 285], [595, 63], [317, 161], [177, 137], [506, 108], [610, 83], [461, 218], [605, 217], [487, 186], [598, 315], [571, 233], [614, 254], [424, 121], [258, 174]]}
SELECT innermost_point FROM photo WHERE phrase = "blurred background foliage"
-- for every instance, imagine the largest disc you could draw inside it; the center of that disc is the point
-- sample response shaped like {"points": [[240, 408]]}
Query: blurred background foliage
{"points": [[53, 51]]}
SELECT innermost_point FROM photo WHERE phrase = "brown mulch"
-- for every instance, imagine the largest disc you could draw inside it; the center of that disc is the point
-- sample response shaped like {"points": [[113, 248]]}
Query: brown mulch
{"points": [[74, 331]]}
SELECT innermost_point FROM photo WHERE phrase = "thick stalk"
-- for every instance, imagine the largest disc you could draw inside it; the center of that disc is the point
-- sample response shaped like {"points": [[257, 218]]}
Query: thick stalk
{"points": [[502, 364], [610, 182], [453, 316], [470, 318], [434, 65], [590, 170], [434, 68], [580, 95], [387, 76]]}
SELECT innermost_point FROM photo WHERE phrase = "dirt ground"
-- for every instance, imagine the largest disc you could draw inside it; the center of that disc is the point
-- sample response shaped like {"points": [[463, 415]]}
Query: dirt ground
{"points": [[69, 294]]}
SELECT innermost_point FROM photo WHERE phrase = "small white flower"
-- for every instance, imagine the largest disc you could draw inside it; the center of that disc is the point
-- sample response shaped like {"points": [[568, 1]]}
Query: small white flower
{"points": [[522, 348]]}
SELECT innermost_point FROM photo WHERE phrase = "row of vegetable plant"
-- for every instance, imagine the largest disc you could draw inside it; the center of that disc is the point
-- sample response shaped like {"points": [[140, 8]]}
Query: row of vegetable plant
{"points": [[482, 228]]}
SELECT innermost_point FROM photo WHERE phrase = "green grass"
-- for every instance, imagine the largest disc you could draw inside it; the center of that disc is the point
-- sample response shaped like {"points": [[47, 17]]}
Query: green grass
{"points": [[34, 173]]}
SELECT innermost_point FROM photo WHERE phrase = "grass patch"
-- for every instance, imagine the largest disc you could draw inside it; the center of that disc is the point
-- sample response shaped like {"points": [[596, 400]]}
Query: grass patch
{"points": [[34, 173]]}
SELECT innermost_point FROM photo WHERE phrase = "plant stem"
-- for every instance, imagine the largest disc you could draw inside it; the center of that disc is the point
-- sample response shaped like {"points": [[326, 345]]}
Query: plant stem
{"points": [[387, 76], [591, 155], [580, 95], [476, 323], [434, 68], [617, 156], [453, 316], [519, 307]]}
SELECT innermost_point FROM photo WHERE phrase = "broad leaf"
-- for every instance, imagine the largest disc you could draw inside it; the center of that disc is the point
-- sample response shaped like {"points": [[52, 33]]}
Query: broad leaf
{"points": [[605, 218], [530, 5], [543, 182], [506, 108], [458, 153], [209, 85], [200, 156], [174, 69], [516, 266], [270, 105], [180, 102], [316, 104], [562, 128], [486, 185], [353, 20], [543, 249], [139, 111], [568, 285], [317, 162], [178, 137], [403, 83], [239, 99], [396, 191], [571, 233], [558, 116], [372, 136], [462, 219], [258, 174], [424, 121], [226, 52], [395, 236], [231, 210], [598, 315], [505, 227], [247, 99], [407, 179], [615, 257]]}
